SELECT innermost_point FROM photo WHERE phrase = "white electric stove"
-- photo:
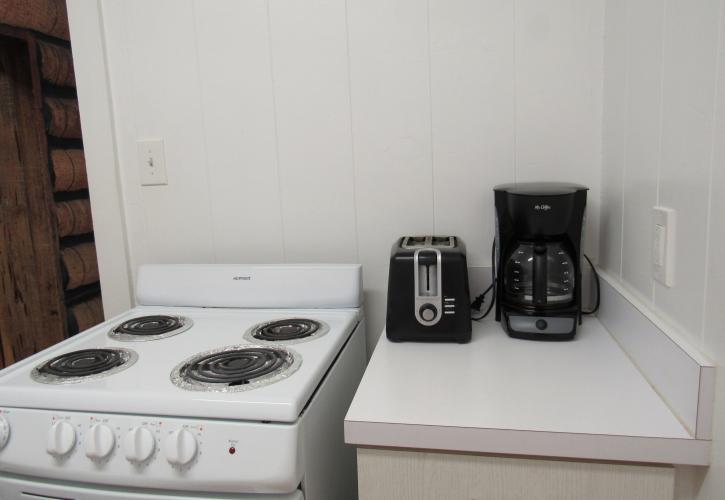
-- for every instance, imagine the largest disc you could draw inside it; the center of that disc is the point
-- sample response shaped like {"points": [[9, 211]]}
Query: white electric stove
{"points": [[224, 382]]}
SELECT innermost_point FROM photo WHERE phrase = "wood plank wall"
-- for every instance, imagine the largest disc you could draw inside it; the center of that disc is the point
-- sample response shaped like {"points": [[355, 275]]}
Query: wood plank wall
{"points": [[49, 273]]}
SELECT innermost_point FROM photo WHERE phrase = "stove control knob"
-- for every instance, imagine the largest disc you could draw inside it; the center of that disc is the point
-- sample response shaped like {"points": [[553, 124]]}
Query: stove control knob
{"points": [[139, 444], [99, 442], [180, 447], [4, 432], [61, 439]]}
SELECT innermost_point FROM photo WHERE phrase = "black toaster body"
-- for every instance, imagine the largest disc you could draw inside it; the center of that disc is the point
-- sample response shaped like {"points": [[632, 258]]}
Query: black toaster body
{"points": [[428, 296]]}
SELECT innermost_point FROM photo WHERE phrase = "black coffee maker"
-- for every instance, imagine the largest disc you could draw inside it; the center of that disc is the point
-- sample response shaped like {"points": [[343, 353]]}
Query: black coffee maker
{"points": [[538, 258]]}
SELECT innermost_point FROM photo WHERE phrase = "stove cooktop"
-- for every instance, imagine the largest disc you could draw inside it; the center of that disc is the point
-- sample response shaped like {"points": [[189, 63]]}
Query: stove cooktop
{"points": [[202, 362]]}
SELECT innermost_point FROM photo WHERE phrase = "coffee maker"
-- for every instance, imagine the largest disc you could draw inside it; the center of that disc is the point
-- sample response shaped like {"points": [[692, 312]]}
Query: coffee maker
{"points": [[538, 258]]}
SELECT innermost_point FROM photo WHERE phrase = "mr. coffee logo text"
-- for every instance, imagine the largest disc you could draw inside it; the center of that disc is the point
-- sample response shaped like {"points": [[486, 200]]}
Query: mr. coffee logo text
{"points": [[543, 207], [242, 278]]}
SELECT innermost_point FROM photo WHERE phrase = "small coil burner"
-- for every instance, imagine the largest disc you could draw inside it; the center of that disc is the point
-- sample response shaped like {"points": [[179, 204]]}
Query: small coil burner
{"points": [[146, 328], [289, 331], [83, 365], [235, 368]]}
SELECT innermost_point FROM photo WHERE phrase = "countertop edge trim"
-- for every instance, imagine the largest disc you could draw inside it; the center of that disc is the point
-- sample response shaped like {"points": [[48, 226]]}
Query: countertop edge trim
{"points": [[560, 445]]}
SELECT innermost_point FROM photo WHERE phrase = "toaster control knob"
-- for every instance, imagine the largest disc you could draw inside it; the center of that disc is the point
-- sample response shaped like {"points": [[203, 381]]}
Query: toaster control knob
{"points": [[139, 444], [61, 439], [4, 432], [99, 442], [428, 312], [180, 447]]}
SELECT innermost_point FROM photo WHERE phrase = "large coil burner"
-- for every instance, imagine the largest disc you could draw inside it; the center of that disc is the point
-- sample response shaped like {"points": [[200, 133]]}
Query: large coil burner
{"points": [[235, 368]]}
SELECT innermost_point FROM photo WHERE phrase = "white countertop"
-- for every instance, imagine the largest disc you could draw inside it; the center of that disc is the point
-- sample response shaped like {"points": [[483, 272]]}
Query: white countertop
{"points": [[579, 399]]}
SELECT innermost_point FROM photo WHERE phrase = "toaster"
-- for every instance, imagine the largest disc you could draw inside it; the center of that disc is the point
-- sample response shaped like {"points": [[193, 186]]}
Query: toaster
{"points": [[428, 296]]}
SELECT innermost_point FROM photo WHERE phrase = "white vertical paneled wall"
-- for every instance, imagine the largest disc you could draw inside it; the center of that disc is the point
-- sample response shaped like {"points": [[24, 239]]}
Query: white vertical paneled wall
{"points": [[473, 115], [664, 143], [688, 95], [308, 48], [714, 338], [642, 137], [661, 87], [240, 135], [323, 130], [390, 107], [613, 153], [156, 87], [558, 96]]}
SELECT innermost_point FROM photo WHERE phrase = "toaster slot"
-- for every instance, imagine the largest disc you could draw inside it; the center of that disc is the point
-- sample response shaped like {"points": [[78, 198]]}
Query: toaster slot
{"points": [[415, 242], [427, 274], [443, 241]]}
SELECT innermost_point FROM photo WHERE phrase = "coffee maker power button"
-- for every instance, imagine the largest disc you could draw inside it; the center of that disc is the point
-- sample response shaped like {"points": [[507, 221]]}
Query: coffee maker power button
{"points": [[428, 312], [541, 324]]}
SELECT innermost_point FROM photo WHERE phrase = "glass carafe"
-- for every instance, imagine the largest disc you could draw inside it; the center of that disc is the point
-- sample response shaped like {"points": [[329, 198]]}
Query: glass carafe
{"points": [[539, 274]]}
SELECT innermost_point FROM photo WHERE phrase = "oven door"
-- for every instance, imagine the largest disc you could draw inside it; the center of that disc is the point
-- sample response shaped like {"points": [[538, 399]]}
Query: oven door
{"points": [[22, 488]]}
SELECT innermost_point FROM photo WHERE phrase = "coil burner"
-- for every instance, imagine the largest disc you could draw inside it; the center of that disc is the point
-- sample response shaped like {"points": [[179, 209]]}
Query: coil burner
{"points": [[288, 331], [83, 365], [145, 328], [235, 368]]}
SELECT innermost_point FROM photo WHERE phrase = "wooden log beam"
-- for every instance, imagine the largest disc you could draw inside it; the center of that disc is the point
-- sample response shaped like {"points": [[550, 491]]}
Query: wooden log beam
{"points": [[74, 217], [81, 265], [69, 169], [46, 16], [85, 315], [56, 64], [62, 118]]}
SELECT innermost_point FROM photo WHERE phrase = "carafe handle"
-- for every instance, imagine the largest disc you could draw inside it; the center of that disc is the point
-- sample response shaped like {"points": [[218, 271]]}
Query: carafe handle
{"points": [[540, 278]]}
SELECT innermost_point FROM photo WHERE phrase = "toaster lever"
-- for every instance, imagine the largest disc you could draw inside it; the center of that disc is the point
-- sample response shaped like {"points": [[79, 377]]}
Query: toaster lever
{"points": [[428, 294]]}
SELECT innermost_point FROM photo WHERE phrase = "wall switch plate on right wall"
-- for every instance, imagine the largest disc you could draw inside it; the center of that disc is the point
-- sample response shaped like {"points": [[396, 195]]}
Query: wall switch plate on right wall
{"points": [[151, 161], [663, 245]]}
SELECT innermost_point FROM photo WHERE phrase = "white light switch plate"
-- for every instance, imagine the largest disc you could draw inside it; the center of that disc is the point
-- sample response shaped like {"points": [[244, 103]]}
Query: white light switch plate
{"points": [[151, 162], [663, 245]]}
